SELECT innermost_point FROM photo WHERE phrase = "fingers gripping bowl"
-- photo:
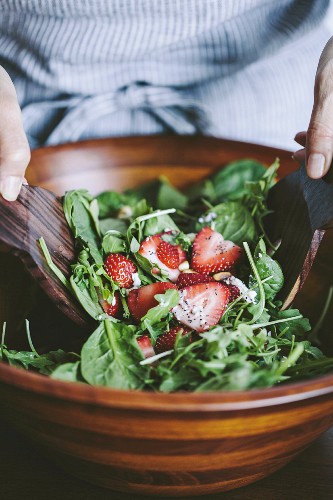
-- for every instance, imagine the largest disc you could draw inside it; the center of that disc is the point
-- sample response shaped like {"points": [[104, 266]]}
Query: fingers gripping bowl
{"points": [[171, 444]]}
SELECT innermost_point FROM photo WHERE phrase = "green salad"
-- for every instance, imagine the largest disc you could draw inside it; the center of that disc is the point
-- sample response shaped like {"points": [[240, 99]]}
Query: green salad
{"points": [[183, 289]]}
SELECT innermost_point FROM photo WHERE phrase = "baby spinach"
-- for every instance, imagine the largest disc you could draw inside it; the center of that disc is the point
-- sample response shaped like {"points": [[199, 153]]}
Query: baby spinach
{"points": [[81, 221], [233, 220], [111, 357], [68, 372], [269, 271]]}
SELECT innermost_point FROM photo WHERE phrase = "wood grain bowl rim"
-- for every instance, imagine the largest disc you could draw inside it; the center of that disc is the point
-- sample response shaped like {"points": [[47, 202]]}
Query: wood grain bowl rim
{"points": [[180, 402]]}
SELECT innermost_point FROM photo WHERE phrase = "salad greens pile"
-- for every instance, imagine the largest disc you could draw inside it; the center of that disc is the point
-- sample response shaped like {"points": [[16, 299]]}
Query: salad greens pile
{"points": [[254, 344]]}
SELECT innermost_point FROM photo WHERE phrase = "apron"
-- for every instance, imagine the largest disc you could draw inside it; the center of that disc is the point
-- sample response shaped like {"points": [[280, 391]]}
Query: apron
{"points": [[240, 69]]}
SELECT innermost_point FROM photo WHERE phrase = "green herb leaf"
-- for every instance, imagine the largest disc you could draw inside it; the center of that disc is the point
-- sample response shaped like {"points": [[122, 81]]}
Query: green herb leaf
{"points": [[111, 357]]}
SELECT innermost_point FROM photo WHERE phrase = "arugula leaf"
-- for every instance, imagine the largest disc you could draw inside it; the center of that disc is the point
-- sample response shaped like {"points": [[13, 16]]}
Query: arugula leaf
{"points": [[111, 356], [166, 302], [296, 328]]}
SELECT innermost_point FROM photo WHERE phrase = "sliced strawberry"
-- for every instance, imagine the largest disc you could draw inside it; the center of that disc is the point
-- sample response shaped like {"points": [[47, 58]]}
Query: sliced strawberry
{"points": [[201, 306], [167, 340], [188, 279], [114, 308], [140, 300], [145, 346], [181, 254], [120, 269], [132, 303], [211, 253], [234, 292], [166, 256]]}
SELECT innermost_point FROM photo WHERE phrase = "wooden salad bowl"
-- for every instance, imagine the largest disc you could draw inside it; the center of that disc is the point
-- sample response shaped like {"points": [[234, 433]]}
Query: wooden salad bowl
{"points": [[183, 444]]}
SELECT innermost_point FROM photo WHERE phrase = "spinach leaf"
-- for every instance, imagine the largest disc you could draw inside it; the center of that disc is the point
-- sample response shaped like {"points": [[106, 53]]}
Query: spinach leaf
{"points": [[83, 294], [169, 197], [110, 202], [68, 372], [82, 221], [233, 221], [111, 357], [113, 242], [113, 225], [159, 224], [230, 182], [269, 271]]}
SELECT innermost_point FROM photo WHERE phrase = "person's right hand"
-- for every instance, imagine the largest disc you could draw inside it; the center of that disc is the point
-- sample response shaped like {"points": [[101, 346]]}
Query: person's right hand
{"points": [[14, 146]]}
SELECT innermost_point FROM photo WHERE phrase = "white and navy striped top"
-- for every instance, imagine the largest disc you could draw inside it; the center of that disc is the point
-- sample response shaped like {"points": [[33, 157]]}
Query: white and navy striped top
{"points": [[241, 69]]}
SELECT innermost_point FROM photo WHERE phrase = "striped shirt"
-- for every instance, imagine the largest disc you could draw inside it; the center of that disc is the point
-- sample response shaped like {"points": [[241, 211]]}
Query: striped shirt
{"points": [[240, 69]]}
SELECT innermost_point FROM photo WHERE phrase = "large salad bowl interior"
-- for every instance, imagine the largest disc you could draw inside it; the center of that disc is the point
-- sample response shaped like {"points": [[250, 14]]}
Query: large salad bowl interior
{"points": [[179, 444]]}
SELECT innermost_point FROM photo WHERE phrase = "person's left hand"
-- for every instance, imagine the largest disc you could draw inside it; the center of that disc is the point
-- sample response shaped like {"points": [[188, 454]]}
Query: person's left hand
{"points": [[317, 141]]}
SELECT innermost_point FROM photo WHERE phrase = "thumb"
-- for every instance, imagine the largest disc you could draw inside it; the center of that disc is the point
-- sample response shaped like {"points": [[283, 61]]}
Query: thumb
{"points": [[14, 147], [319, 137]]}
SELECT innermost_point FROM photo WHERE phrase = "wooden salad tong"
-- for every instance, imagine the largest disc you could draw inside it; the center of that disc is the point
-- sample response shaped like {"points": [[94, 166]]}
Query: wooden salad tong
{"points": [[38, 213], [301, 210]]}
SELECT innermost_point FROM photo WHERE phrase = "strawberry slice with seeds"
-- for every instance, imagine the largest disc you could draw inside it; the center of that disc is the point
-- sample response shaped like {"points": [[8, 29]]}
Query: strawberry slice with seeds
{"points": [[120, 269], [188, 279], [212, 253], [234, 292], [201, 306], [145, 346], [164, 255], [142, 299], [166, 341], [114, 308], [168, 254]]}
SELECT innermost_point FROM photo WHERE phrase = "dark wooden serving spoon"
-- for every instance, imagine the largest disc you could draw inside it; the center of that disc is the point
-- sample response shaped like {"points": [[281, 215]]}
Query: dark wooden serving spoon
{"points": [[302, 210]]}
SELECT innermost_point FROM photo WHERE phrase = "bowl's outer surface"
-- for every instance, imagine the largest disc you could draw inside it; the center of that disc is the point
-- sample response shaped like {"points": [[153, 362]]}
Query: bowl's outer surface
{"points": [[176, 444]]}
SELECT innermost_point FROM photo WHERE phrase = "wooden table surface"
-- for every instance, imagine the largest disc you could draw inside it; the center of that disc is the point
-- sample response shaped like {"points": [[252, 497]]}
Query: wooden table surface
{"points": [[26, 475]]}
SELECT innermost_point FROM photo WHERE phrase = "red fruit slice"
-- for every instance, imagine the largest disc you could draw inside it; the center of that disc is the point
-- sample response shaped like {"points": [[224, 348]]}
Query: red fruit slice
{"points": [[139, 301], [145, 346], [120, 269], [211, 253], [234, 292], [168, 254], [188, 279], [114, 308], [201, 306], [166, 341]]}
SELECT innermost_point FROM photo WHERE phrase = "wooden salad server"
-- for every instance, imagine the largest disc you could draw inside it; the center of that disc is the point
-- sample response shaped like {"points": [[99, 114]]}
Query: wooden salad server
{"points": [[38, 213], [302, 209]]}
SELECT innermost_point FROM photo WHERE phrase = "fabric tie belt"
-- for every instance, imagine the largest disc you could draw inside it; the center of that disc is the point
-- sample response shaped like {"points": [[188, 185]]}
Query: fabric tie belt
{"points": [[172, 107]]}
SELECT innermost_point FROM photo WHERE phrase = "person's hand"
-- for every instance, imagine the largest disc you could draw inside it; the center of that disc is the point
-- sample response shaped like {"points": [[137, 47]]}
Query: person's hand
{"points": [[317, 141], [14, 147]]}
